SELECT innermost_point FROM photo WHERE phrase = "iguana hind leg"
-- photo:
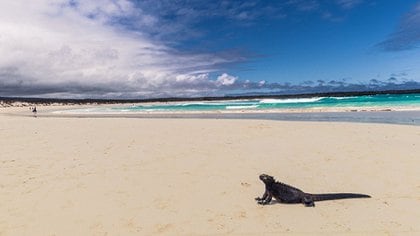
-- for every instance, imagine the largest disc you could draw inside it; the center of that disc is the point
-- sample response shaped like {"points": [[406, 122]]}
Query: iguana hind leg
{"points": [[308, 201]]}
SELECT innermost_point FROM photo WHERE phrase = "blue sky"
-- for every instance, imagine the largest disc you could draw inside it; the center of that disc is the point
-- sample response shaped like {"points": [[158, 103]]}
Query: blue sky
{"points": [[177, 48]]}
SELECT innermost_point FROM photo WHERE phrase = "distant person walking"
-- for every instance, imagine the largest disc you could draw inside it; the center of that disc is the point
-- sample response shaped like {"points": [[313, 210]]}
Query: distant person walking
{"points": [[34, 111]]}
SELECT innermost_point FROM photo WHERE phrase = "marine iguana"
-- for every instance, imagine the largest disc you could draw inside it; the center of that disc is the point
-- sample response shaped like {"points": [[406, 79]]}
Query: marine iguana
{"points": [[287, 194]]}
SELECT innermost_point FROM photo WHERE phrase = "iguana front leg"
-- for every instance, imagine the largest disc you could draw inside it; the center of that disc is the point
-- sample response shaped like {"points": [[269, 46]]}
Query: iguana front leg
{"points": [[266, 198], [265, 195]]}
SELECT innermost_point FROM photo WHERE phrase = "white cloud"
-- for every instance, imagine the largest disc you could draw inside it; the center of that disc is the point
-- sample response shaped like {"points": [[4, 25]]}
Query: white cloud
{"points": [[226, 79], [53, 43], [348, 4]]}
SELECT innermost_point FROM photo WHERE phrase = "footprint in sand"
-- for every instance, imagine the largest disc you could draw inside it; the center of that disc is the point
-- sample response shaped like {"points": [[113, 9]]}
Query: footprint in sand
{"points": [[245, 184], [98, 229], [162, 228], [161, 204], [132, 226], [68, 204], [241, 214]]}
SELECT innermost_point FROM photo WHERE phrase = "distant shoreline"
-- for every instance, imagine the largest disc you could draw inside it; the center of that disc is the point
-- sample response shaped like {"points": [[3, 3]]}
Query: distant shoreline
{"points": [[30, 101]]}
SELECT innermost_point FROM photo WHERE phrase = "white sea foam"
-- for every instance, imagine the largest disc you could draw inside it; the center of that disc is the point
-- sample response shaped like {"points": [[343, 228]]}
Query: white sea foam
{"points": [[218, 103], [93, 110], [78, 111], [194, 104], [343, 98], [241, 107], [290, 100], [199, 104]]}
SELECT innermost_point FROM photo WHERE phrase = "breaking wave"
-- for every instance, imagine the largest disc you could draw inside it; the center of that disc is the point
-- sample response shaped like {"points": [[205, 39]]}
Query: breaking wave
{"points": [[291, 100]]}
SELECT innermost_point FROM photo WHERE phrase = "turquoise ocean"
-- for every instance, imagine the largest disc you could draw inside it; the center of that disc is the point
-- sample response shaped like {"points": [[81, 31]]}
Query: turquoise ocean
{"points": [[375, 101], [384, 108]]}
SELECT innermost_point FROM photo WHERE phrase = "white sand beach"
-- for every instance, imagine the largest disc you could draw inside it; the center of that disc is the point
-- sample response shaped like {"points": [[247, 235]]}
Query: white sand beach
{"points": [[129, 176]]}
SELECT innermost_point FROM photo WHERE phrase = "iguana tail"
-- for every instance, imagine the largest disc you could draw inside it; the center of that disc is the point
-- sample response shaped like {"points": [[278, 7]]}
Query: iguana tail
{"points": [[333, 196]]}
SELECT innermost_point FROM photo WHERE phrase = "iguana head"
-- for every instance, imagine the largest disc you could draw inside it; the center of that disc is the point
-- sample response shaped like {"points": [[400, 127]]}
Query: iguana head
{"points": [[267, 179]]}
